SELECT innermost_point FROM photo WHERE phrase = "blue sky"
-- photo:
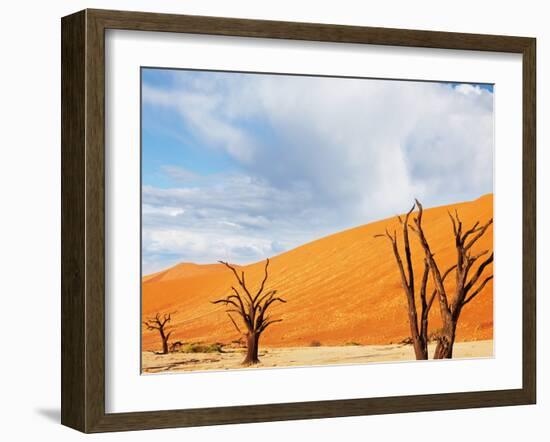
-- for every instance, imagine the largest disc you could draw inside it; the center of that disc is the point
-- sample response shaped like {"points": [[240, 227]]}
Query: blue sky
{"points": [[243, 166]]}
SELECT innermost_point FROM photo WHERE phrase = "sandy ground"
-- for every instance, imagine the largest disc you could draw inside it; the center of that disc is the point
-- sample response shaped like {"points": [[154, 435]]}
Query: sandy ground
{"points": [[301, 356]]}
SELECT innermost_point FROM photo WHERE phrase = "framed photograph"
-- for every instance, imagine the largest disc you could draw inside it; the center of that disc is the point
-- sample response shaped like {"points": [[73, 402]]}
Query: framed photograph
{"points": [[268, 221]]}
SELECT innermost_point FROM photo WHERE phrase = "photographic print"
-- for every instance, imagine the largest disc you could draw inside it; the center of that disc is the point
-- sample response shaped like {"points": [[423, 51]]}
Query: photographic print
{"points": [[296, 220]]}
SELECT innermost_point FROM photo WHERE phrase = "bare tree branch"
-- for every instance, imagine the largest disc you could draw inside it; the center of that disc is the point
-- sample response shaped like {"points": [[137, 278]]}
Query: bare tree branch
{"points": [[240, 280], [159, 324], [226, 301], [267, 324], [478, 290], [234, 323], [253, 314], [418, 326], [479, 271], [261, 289], [480, 233], [450, 311], [436, 274], [266, 295], [471, 231]]}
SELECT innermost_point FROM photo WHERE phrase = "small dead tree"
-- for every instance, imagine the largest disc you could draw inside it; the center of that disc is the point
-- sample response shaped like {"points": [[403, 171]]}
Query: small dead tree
{"points": [[451, 308], [160, 324], [252, 309], [418, 326]]}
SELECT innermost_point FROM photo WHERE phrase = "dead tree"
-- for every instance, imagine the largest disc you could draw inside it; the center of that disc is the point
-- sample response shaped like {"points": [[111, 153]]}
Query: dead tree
{"points": [[160, 324], [418, 325], [465, 290], [252, 308]]}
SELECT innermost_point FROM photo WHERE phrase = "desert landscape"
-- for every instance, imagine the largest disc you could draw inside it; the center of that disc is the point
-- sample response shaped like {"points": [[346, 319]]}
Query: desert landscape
{"points": [[342, 301]]}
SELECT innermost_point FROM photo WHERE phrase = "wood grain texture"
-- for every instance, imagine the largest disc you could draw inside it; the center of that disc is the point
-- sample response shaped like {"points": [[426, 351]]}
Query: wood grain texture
{"points": [[144, 21], [73, 128], [529, 220], [83, 220], [95, 222]]}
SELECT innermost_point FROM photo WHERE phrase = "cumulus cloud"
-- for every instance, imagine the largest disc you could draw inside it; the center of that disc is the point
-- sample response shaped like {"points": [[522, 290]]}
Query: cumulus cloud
{"points": [[313, 155]]}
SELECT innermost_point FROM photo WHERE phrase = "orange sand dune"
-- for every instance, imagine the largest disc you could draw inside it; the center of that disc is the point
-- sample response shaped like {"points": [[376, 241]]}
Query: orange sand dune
{"points": [[339, 289]]}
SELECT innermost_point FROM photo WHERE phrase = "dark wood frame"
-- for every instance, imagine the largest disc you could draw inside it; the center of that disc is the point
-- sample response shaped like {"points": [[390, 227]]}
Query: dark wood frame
{"points": [[83, 217]]}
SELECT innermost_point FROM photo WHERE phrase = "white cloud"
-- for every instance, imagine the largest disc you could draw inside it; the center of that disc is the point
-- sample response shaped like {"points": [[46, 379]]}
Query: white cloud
{"points": [[214, 246], [200, 113], [332, 153], [236, 218], [468, 89], [148, 210]]}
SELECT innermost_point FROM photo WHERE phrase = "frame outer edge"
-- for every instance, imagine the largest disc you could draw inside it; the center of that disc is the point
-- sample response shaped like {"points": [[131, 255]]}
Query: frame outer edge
{"points": [[73, 254], [83, 221], [197, 24], [95, 222], [529, 221]]}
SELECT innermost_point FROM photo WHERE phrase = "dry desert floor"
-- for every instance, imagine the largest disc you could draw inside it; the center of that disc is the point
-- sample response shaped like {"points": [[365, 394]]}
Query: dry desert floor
{"points": [[301, 356]]}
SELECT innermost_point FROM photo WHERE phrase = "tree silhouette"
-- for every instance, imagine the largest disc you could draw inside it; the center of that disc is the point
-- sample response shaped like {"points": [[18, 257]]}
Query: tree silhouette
{"points": [[160, 324], [252, 309], [451, 308], [418, 322]]}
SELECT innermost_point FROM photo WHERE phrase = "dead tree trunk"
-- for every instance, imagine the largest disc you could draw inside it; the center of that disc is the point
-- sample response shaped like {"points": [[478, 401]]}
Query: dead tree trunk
{"points": [[160, 324], [164, 343], [252, 340], [451, 308], [418, 327], [252, 309]]}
